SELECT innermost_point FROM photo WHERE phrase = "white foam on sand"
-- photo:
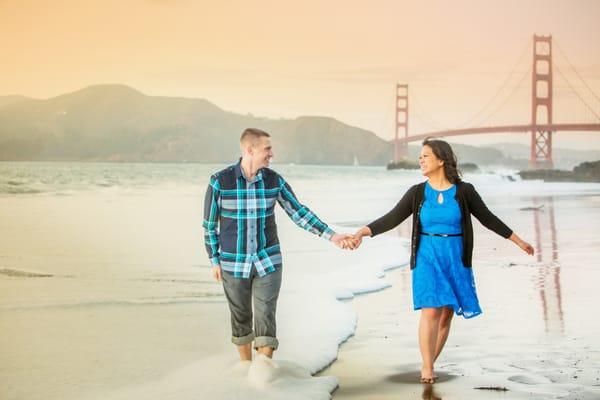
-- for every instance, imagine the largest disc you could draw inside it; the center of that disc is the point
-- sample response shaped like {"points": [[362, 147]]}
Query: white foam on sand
{"points": [[222, 378], [312, 323]]}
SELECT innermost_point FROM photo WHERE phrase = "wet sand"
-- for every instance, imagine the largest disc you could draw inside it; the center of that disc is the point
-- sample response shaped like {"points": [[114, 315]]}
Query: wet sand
{"points": [[77, 352]]}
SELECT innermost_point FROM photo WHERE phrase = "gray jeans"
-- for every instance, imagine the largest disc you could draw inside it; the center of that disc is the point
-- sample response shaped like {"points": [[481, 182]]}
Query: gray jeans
{"points": [[240, 294]]}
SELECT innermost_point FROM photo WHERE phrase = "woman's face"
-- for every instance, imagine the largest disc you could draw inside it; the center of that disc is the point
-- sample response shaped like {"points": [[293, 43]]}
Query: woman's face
{"points": [[428, 162]]}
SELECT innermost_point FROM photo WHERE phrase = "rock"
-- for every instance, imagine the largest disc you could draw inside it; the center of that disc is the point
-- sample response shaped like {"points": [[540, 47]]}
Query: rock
{"points": [[403, 164], [468, 167], [584, 172]]}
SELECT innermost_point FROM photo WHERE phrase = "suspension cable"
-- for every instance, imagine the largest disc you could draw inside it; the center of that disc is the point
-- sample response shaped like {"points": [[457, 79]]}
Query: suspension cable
{"points": [[576, 72], [523, 52], [575, 91], [517, 86]]}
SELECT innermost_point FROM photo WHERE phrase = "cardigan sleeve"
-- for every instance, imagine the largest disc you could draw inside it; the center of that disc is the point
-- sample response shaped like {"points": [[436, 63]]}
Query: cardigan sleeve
{"points": [[402, 210], [484, 215]]}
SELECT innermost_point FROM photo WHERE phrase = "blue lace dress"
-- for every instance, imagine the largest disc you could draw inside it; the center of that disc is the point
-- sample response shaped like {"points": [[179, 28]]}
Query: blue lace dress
{"points": [[439, 278]]}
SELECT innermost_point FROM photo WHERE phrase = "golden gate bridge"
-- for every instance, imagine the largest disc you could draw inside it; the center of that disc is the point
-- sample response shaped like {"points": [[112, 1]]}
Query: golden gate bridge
{"points": [[541, 127]]}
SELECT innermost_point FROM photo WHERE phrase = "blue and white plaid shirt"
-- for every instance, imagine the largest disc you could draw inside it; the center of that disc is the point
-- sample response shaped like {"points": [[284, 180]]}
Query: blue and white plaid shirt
{"points": [[239, 220]]}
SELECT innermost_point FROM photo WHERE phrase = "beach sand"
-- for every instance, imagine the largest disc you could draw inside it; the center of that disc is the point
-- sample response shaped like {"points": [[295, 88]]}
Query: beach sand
{"points": [[75, 353], [106, 293]]}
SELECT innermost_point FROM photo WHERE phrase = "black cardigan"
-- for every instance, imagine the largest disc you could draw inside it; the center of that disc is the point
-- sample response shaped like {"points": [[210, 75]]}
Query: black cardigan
{"points": [[470, 203]]}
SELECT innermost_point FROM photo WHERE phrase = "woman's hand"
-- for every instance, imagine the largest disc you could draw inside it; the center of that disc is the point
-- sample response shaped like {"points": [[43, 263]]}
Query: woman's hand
{"points": [[527, 248], [357, 238]]}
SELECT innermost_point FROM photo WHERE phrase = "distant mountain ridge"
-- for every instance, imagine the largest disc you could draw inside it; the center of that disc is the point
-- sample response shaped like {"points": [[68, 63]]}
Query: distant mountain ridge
{"points": [[118, 123], [6, 100]]}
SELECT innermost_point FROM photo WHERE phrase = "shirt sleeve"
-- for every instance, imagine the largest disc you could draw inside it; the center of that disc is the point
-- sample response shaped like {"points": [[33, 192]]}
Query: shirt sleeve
{"points": [[485, 216], [211, 220], [401, 211], [300, 214]]}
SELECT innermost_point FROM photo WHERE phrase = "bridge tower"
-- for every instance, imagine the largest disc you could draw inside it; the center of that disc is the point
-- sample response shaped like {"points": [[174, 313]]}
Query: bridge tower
{"points": [[541, 103], [401, 149]]}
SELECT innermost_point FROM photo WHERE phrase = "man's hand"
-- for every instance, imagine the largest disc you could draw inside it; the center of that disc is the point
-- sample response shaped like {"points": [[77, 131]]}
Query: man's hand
{"points": [[216, 271], [343, 241]]}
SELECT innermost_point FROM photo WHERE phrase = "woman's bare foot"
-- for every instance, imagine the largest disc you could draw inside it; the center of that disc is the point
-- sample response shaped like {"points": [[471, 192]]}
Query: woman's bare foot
{"points": [[427, 375]]}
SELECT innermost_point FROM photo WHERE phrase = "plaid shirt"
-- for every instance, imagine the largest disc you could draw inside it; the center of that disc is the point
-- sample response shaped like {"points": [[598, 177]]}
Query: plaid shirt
{"points": [[239, 220]]}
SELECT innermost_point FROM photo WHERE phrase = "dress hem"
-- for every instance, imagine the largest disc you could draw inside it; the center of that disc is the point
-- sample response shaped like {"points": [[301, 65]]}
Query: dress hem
{"points": [[455, 308]]}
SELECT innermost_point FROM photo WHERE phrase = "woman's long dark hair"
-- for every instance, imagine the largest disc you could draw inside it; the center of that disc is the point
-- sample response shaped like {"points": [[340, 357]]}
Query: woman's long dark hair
{"points": [[443, 151]]}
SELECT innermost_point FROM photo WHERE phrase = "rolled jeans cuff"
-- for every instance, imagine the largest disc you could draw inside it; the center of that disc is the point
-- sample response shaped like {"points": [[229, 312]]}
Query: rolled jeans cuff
{"points": [[266, 341], [242, 340]]}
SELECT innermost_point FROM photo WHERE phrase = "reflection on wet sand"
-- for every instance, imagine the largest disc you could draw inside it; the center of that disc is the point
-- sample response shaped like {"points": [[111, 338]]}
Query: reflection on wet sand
{"points": [[409, 378], [548, 280], [429, 393]]}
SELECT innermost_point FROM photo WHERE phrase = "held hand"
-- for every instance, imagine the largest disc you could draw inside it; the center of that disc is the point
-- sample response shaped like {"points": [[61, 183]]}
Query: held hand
{"points": [[216, 272], [350, 243], [357, 239], [342, 240], [360, 234]]}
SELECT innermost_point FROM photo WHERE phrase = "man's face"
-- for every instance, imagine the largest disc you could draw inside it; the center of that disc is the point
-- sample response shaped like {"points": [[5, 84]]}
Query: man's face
{"points": [[262, 152]]}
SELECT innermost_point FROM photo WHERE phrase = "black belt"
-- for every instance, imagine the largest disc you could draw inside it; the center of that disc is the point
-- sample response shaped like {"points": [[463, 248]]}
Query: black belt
{"points": [[441, 234]]}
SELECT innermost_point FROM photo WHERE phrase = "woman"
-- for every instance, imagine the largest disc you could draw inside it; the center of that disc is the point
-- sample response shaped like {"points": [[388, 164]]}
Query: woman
{"points": [[442, 246]]}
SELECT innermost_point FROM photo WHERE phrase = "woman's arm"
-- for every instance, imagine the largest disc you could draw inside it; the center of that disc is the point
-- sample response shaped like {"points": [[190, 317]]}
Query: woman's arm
{"points": [[478, 208], [401, 211], [490, 221]]}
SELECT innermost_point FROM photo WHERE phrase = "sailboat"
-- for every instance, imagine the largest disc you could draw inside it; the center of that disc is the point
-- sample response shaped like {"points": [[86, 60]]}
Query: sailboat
{"points": [[356, 164]]}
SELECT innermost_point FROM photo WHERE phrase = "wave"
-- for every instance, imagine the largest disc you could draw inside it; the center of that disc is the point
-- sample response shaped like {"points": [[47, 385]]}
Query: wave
{"points": [[15, 273], [14, 188], [190, 299]]}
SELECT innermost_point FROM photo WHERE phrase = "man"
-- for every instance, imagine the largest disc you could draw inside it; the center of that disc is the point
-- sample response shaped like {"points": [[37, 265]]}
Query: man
{"points": [[241, 240]]}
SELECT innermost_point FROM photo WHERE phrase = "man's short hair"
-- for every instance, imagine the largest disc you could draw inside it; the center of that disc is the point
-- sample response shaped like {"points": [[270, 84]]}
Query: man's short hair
{"points": [[252, 134]]}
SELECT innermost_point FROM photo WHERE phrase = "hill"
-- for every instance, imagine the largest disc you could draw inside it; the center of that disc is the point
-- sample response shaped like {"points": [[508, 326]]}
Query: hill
{"points": [[118, 123]]}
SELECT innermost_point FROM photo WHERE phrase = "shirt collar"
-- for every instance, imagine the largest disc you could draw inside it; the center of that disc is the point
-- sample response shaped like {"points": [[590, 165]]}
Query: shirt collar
{"points": [[239, 173]]}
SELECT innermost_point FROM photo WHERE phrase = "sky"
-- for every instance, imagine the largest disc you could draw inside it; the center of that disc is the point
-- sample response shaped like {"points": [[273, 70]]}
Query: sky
{"points": [[467, 63]]}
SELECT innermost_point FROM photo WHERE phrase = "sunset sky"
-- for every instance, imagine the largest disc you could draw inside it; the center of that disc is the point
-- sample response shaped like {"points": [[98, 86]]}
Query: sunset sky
{"points": [[333, 58]]}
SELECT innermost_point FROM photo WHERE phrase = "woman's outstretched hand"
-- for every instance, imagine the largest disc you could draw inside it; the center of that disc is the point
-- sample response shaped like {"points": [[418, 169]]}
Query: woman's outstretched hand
{"points": [[527, 248]]}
